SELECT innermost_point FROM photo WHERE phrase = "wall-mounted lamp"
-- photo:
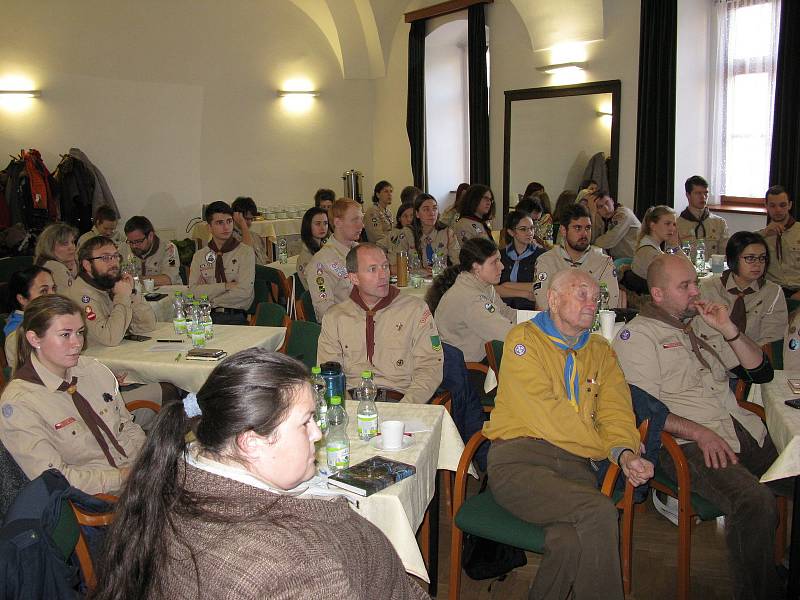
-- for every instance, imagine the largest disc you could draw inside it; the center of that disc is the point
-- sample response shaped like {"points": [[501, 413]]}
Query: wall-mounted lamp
{"points": [[308, 93], [602, 113], [567, 67], [20, 93]]}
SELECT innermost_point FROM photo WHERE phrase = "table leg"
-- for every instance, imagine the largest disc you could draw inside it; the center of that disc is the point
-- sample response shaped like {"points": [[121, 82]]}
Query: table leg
{"points": [[433, 558], [794, 545]]}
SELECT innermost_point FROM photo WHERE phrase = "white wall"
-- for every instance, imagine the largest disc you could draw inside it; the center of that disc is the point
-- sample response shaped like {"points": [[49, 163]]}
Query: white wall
{"points": [[176, 102]]}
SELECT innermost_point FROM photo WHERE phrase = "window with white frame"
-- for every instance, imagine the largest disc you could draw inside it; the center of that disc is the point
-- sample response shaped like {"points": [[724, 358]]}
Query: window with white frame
{"points": [[743, 96]]}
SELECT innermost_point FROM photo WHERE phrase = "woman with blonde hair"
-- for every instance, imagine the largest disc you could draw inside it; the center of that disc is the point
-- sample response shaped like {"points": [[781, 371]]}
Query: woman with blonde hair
{"points": [[659, 233], [56, 250]]}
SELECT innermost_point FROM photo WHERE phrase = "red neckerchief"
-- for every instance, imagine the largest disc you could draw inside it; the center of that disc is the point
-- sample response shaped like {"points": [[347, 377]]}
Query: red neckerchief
{"points": [[778, 246], [219, 267], [356, 297], [485, 226]]}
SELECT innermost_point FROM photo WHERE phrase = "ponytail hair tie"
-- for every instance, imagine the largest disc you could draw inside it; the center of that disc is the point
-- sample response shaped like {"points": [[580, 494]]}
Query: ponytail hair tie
{"points": [[191, 407]]}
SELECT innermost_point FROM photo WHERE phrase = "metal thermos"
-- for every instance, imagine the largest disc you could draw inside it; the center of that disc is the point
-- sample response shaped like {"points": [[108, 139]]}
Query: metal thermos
{"points": [[353, 182]]}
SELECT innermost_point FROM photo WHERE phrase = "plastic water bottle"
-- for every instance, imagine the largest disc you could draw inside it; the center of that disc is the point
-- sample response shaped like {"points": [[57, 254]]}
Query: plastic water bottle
{"points": [[179, 322], [318, 383], [197, 328], [188, 300], [283, 253], [337, 444], [205, 316], [367, 414], [605, 297], [700, 257]]}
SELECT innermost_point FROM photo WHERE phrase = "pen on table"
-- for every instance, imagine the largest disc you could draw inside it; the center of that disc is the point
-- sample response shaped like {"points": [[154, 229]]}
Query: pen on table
{"points": [[170, 341]]}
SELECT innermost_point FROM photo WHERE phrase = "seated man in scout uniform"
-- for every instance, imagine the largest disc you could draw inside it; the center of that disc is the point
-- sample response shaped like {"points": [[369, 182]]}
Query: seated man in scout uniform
{"points": [[679, 349], [113, 309], [326, 273], [379, 329], [783, 242], [615, 228], [160, 259], [225, 270], [105, 224], [551, 420], [575, 252], [696, 221], [244, 212]]}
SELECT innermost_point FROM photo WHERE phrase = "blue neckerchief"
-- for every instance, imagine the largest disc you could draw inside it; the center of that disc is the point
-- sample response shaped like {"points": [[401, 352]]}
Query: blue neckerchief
{"points": [[571, 383], [511, 252], [14, 319], [429, 253]]}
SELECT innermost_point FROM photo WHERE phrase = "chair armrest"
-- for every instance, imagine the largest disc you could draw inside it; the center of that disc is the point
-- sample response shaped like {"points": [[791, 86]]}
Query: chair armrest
{"points": [[754, 408], [462, 471], [476, 366], [443, 399], [92, 519], [614, 471], [681, 468], [137, 404]]}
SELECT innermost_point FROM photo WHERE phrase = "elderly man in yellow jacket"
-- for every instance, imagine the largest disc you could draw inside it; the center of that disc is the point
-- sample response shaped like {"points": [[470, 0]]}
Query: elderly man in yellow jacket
{"points": [[563, 403]]}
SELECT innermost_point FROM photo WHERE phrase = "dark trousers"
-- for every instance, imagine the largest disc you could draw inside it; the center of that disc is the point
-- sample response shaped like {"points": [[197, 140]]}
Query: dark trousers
{"points": [[545, 485], [751, 514]]}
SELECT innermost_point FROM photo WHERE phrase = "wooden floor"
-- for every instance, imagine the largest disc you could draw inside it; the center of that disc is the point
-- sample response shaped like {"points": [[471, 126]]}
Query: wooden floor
{"points": [[654, 574]]}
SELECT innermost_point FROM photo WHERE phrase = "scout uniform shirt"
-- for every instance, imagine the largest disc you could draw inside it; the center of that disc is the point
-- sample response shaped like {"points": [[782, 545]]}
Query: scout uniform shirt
{"points": [[470, 314], [765, 307], [646, 252], [468, 227], [302, 264], [532, 398], [377, 223], [442, 241], [784, 263], [711, 228], [259, 246], [162, 259], [407, 356], [328, 283], [43, 430], [62, 276], [119, 240], [240, 266], [619, 235], [658, 358], [600, 266], [109, 319]]}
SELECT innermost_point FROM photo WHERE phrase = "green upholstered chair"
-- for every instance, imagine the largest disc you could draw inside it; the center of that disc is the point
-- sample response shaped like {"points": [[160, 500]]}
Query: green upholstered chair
{"points": [[269, 314], [301, 341]]}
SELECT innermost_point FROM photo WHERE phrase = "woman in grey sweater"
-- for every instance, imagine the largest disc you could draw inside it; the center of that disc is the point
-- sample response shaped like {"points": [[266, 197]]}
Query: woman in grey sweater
{"points": [[235, 514]]}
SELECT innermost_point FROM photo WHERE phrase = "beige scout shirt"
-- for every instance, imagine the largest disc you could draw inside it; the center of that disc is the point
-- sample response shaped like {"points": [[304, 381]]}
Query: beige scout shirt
{"points": [[620, 235], [786, 271], [62, 276], [240, 266], [118, 238], [766, 311], [164, 261], [441, 240], [600, 266], [259, 246], [659, 359], [109, 320], [716, 232], [43, 430], [327, 276], [646, 252], [467, 228], [303, 259], [377, 223], [408, 353], [470, 314]]}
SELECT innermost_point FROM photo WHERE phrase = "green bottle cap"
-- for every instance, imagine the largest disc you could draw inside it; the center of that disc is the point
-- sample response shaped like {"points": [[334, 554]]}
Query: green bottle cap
{"points": [[316, 370], [336, 400], [366, 374]]}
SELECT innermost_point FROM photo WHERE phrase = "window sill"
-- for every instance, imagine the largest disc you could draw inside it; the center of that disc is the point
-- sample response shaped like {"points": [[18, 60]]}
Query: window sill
{"points": [[742, 209]]}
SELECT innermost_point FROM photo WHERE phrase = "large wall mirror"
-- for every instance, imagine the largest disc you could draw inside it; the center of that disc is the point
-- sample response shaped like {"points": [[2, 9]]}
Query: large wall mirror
{"points": [[551, 134]]}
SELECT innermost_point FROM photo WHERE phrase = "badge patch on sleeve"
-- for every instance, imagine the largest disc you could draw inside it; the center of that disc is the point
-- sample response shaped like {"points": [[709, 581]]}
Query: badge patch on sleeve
{"points": [[625, 335], [64, 423], [542, 276], [490, 307], [8, 410], [793, 344], [85, 299], [436, 343], [520, 349]]}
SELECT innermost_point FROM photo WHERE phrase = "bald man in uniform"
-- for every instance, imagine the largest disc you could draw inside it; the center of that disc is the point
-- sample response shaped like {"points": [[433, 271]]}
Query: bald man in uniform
{"points": [[401, 347], [679, 349]]}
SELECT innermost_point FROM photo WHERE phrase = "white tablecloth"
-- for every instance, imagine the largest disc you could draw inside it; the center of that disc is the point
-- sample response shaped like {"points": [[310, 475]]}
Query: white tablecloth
{"points": [[142, 366], [163, 307], [783, 423], [399, 509], [289, 268]]}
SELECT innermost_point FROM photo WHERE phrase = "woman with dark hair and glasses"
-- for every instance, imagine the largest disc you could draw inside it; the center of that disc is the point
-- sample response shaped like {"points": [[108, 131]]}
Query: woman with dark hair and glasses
{"points": [[757, 306], [476, 214], [519, 260], [238, 512], [314, 232]]}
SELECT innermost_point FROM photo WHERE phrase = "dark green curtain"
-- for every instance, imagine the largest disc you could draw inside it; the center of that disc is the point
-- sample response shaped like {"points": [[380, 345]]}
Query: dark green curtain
{"points": [[478, 96], [655, 127], [785, 158], [415, 110]]}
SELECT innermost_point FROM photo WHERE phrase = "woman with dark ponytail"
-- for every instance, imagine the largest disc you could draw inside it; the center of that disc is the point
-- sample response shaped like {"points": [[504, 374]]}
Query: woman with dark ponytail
{"points": [[236, 513], [463, 300], [426, 236]]}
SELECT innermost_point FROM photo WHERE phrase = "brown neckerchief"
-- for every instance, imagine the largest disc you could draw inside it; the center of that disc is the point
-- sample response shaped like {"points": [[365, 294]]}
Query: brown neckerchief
{"points": [[92, 420], [652, 311], [482, 222], [738, 310], [686, 214], [778, 245], [143, 258], [219, 267], [356, 297]]}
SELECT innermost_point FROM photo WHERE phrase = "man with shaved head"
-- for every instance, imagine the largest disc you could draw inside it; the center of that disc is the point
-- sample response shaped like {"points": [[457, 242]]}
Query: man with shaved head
{"points": [[680, 349], [563, 405]]}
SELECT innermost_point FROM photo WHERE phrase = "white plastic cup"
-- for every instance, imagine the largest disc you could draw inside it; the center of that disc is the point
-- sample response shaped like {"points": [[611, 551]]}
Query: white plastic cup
{"points": [[392, 434], [149, 285], [717, 263], [607, 318]]}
